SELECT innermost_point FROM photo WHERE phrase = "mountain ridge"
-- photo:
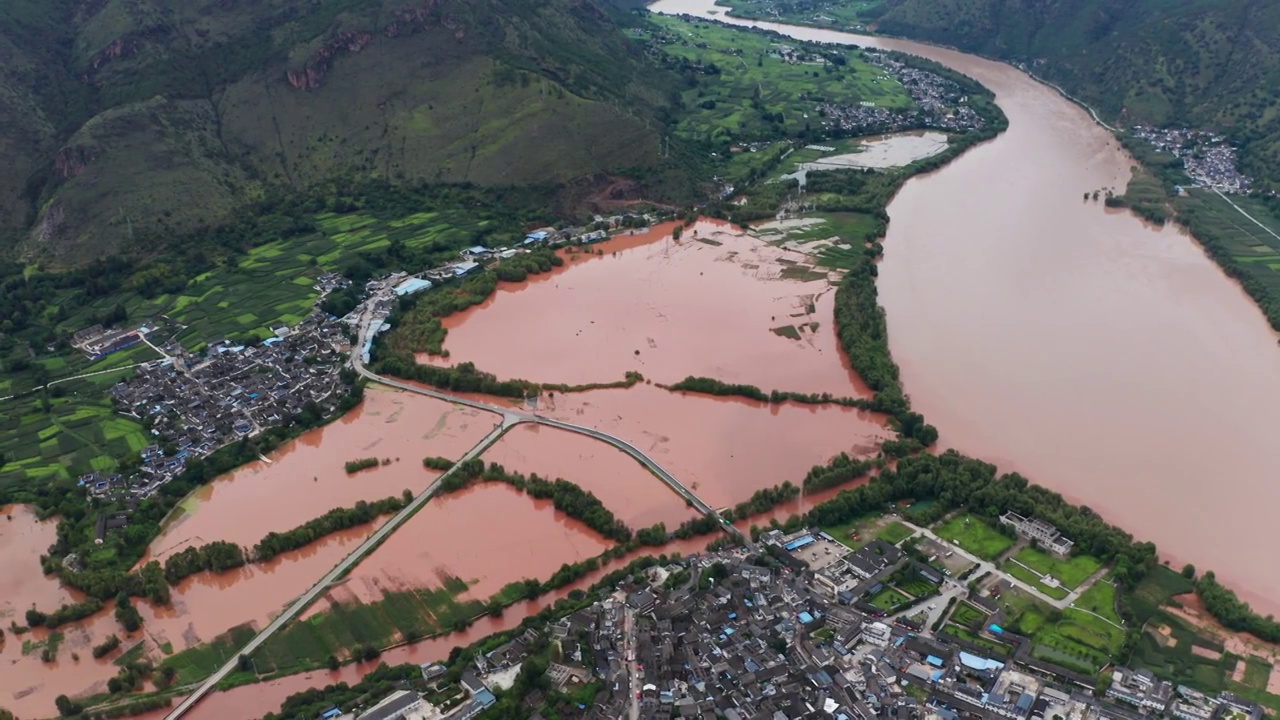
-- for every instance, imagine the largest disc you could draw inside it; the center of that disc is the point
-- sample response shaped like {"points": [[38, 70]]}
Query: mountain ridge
{"points": [[172, 117], [1204, 63]]}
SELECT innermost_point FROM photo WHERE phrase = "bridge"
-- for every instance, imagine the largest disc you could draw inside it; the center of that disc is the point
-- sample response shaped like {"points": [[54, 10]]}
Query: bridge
{"points": [[510, 418]]}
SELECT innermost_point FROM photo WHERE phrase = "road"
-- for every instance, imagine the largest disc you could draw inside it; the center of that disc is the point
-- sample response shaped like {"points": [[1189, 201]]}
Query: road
{"points": [[516, 416], [78, 377], [1251, 218], [333, 575], [510, 418]]}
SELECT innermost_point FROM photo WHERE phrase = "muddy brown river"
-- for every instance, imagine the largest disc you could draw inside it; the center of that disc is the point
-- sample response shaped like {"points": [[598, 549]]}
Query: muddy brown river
{"points": [[1107, 360]]}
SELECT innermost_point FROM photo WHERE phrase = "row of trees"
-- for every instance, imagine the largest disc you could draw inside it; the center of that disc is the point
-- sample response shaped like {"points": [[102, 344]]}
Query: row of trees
{"points": [[354, 466], [1234, 613], [106, 578], [218, 556], [567, 497], [520, 267], [68, 613], [275, 543], [711, 386], [437, 463]]}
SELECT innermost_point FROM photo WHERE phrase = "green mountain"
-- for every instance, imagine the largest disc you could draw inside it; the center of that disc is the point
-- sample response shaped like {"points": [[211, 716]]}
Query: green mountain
{"points": [[1212, 64], [126, 120]]}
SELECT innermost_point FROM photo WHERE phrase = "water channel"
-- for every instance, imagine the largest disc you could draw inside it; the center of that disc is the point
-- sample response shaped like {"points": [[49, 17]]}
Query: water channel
{"points": [[1101, 357]]}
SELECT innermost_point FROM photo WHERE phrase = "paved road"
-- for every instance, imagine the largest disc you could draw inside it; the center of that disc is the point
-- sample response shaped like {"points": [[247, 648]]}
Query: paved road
{"points": [[516, 416], [333, 575], [510, 418]]}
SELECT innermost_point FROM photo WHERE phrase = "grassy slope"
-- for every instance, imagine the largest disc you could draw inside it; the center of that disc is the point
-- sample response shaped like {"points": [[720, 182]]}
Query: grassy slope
{"points": [[183, 111], [1208, 63]]}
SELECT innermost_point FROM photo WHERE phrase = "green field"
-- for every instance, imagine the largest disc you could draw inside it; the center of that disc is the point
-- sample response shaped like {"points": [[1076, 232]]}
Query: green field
{"points": [[917, 587], [343, 627], [965, 633], [842, 14], [888, 599], [754, 94], [975, 536], [76, 435], [201, 661], [1157, 589], [968, 615], [271, 285], [1027, 576], [1248, 250], [1070, 571], [894, 533]]}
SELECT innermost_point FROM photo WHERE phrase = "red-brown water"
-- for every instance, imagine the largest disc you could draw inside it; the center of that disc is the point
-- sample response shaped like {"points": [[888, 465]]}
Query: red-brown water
{"points": [[624, 486], [1105, 359], [666, 308], [250, 701], [27, 684], [489, 535], [303, 480], [723, 449], [307, 477]]}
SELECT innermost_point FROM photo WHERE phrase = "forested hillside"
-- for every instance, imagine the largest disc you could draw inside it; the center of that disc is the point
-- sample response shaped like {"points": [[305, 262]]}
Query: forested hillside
{"points": [[124, 122], [1213, 64]]}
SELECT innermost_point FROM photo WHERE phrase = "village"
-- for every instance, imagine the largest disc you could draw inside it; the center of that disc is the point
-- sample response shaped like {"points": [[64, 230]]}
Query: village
{"points": [[941, 104], [198, 402], [780, 634], [1209, 158]]}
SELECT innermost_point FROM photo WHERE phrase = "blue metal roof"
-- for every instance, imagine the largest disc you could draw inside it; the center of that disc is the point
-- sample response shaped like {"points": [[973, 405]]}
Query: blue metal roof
{"points": [[799, 543]]}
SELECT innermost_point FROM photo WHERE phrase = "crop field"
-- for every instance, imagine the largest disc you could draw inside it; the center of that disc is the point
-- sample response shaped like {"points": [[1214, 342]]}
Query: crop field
{"points": [[1256, 250], [271, 285], [75, 436], [343, 627], [755, 93], [974, 535], [1156, 589], [1070, 571], [201, 661]]}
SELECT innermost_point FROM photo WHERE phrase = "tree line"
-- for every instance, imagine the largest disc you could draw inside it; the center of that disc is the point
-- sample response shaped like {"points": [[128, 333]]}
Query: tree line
{"points": [[711, 386], [337, 519], [567, 497], [354, 466], [218, 556]]}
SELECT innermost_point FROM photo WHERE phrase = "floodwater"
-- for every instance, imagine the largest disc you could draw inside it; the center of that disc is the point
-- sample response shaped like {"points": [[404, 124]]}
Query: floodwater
{"points": [[630, 491], [886, 151], [1100, 357], [256, 700], [489, 534], [27, 684], [306, 478], [705, 305], [302, 481], [723, 448]]}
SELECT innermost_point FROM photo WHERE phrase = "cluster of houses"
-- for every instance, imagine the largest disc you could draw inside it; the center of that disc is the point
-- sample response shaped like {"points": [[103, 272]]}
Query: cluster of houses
{"points": [[197, 403], [1209, 158], [735, 636], [940, 104]]}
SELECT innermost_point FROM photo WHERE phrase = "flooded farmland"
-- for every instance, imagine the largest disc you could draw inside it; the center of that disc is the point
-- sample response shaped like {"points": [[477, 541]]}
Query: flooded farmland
{"points": [[306, 478], [1110, 361], [630, 491], [301, 481], [716, 303], [488, 535], [724, 448]]}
